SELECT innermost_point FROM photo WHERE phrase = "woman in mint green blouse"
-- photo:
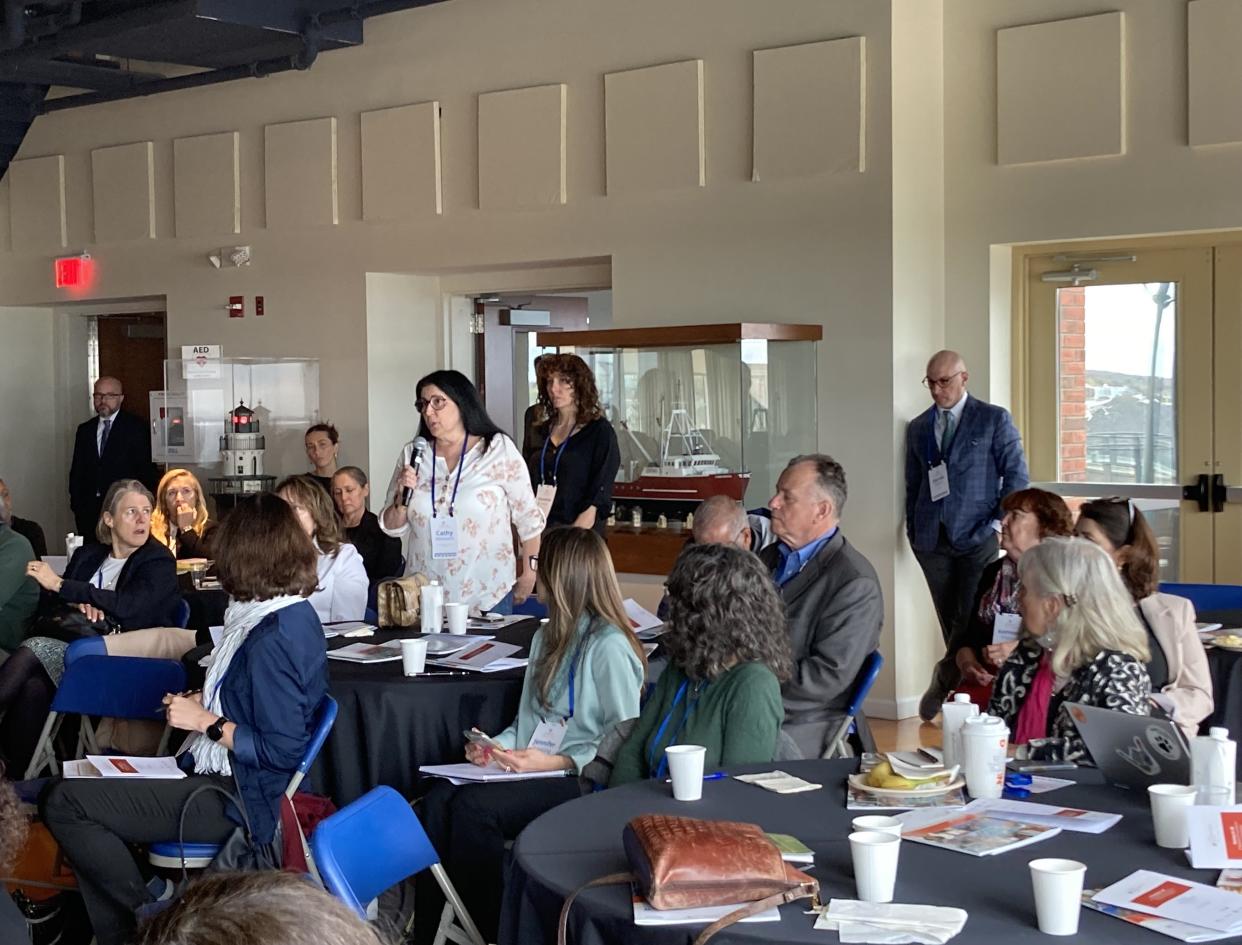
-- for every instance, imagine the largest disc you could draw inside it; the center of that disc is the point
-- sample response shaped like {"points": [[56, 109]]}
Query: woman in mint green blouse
{"points": [[728, 655], [585, 676]]}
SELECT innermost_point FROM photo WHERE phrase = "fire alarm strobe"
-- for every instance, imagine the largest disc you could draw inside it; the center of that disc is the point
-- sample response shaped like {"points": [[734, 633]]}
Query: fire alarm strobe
{"points": [[73, 271], [237, 306]]}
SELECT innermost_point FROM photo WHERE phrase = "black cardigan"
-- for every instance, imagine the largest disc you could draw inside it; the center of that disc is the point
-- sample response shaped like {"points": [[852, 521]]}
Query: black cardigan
{"points": [[146, 592], [585, 476]]}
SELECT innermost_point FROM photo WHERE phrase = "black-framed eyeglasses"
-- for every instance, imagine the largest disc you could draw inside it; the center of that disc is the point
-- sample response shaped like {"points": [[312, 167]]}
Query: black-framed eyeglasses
{"points": [[436, 403], [931, 383]]}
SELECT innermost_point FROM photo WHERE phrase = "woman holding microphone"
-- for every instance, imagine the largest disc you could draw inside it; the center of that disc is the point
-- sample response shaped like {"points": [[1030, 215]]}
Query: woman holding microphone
{"points": [[470, 487]]}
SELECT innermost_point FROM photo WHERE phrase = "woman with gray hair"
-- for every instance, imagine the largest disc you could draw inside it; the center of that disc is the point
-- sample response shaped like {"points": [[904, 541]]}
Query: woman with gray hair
{"points": [[126, 582], [728, 655], [1081, 643], [19, 595]]}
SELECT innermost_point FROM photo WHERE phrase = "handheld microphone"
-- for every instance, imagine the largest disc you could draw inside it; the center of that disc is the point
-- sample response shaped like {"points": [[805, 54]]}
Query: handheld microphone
{"points": [[420, 447]]}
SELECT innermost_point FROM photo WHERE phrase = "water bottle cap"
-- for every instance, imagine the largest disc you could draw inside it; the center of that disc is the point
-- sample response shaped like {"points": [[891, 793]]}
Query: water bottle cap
{"points": [[1219, 732], [961, 697]]}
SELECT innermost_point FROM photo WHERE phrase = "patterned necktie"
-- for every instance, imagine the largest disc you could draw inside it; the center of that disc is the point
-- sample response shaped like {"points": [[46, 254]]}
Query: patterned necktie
{"points": [[103, 440], [950, 427]]}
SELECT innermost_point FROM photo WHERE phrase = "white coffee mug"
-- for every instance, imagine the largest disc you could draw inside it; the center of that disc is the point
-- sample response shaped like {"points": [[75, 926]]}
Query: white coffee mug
{"points": [[875, 864], [413, 656], [1058, 894], [685, 767], [457, 616]]}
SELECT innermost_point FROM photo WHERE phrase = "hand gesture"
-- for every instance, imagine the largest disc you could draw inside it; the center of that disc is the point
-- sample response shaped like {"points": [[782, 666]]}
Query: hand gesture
{"points": [[185, 516], [530, 759], [44, 576]]}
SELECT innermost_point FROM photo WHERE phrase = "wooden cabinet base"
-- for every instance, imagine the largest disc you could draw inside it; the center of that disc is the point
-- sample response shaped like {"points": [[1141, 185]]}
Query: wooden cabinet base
{"points": [[646, 550]]}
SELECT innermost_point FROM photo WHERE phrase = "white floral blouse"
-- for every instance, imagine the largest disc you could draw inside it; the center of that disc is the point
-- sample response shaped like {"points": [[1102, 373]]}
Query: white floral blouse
{"points": [[494, 492]]}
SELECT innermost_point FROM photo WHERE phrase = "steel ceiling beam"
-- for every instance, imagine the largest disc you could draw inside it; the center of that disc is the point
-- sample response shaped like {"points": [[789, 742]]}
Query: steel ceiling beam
{"points": [[69, 40], [73, 74]]}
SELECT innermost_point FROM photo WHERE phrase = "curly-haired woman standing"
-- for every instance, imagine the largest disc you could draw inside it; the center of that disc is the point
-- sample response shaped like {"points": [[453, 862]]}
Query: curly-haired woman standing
{"points": [[728, 655], [572, 473]]}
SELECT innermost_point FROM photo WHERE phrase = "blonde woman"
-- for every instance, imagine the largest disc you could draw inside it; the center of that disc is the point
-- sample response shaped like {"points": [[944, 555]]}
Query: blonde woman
{"points": [[1082, 644], [584, 678], [179, 520], [342, 590]]}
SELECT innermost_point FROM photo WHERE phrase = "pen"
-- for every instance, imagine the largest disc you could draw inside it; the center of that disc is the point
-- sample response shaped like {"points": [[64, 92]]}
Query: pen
{"points": [[445, 672], [189, 692], [714, 776]]}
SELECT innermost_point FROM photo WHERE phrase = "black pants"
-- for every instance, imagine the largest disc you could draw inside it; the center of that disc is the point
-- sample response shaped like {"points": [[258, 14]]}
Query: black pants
{"points": [[953, 578], [96, 821], [469, 825], [26, 693]]}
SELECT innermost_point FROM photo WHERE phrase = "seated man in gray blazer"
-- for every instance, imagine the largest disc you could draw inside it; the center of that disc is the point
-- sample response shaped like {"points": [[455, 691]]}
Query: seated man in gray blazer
{"points": [[832, 598]]}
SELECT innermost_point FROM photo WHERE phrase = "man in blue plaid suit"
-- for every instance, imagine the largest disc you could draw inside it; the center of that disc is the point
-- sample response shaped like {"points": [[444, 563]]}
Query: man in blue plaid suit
{"points": [[962, 457]]}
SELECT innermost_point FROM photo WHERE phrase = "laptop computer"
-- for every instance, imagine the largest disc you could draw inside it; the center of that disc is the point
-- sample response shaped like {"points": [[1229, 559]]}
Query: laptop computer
{"points": [[1133, 751]]}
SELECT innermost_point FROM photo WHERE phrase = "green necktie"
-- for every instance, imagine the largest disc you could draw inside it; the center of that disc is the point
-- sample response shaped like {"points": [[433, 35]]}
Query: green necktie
{"points": [[950, 427]]}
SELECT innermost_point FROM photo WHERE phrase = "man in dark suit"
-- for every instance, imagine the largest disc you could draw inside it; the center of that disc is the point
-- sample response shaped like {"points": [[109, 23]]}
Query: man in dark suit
{"points": [[962, 457], [113, 445], [833, 602]]}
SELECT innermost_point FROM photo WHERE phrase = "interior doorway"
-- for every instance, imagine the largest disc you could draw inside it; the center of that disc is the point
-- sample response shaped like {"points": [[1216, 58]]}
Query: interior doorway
{"points": [[131, 348]]}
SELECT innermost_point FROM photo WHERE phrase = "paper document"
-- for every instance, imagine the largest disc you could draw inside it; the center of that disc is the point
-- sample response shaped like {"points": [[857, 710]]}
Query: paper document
{"points": [[1178, 930], [505, 620], [964, 832], [124, 766], [1171, 897], [367, 652], [1067, 818], [778, 782], [890, 922], [504, 663], [1215, 837], [703, 915], [1042, 785], [477, 657], [466, 773], [217, 634], [348, 628], [446, 644], [643, 622]]}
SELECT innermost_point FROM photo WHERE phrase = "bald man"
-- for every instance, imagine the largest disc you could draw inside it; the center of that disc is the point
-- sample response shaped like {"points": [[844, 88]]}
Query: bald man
{"points": [[962, 457], [720, 520], [112, 445]]}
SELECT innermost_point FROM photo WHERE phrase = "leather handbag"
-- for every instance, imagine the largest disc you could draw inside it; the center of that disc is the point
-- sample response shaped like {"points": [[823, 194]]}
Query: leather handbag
{"points": [[398, 600], [683, 863]]}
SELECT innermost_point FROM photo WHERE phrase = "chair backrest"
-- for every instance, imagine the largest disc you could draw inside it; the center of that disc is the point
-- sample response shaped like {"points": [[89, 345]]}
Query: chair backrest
{"points": [[124, 687], [182, 618], [370, 845], [85, 646], [864, 681], [325, 717], [1207, 597]]}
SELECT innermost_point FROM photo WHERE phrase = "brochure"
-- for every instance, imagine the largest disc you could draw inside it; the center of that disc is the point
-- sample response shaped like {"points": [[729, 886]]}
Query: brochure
{"points": [[1067, 818], [367, 652], [1171, 897], [643, 622], [466, 772], [1230, 880], [792, 849], [1178, 930], [1215, 837], [778, 782], [975, 834], [124, 766], [478, 657], [704, 915]]}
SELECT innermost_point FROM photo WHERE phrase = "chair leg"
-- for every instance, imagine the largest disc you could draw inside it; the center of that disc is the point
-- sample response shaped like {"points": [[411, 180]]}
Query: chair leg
{"points": [[834, 746], [45, 752], [467, 933], [862, 731]]}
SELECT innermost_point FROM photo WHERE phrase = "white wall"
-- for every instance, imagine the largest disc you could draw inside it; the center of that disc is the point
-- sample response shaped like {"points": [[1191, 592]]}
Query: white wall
{"points": [[27, 447]]}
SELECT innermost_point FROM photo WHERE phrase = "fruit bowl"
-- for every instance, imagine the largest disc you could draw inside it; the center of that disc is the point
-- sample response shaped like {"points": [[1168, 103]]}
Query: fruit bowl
{"points": [[923, 790]]}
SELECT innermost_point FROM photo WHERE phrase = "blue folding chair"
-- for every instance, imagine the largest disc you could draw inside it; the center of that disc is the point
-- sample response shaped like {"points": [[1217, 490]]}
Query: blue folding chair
{"points": [[837, 745], [373, 844], [121, 687], [1206, 597], [196, 856], [182, 618], [531, 607]]}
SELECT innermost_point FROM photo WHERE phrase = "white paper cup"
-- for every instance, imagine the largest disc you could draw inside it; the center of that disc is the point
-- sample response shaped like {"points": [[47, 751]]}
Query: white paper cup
{"points": [[1058, 894], [413, 656], [685, 767], [457, 615], [1169, 803], [875, 864], [877, 824], [1212, 795]]}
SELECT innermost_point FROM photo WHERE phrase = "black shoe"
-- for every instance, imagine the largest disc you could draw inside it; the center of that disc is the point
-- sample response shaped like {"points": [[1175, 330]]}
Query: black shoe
{"points": [[929, 705]]}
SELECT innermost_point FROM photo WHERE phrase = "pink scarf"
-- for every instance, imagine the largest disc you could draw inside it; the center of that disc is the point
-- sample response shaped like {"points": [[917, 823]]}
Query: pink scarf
{"points": [[1033, 716]]}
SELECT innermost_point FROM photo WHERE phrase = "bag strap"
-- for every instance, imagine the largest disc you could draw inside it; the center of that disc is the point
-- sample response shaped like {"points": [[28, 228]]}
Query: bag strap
{"points": [[612, 879], [204, 789], [801, 891]]}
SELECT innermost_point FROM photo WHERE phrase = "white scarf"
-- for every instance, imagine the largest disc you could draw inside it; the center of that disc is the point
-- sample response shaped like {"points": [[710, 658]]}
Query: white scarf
{"points": [[239, 619]]}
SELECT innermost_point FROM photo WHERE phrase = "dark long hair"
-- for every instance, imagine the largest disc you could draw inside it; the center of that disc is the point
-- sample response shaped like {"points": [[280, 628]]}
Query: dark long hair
{"points": [[460, 391], [1124, 525]]}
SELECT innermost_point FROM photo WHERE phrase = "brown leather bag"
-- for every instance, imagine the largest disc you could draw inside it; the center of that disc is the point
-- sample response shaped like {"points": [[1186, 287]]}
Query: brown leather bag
{"points": [[398, 600], [683, 863]]}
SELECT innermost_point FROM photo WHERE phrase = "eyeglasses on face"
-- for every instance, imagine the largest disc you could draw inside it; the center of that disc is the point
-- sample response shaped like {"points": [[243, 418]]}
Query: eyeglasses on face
{"points": [[436, 403], [98, 396], [931, 383]]}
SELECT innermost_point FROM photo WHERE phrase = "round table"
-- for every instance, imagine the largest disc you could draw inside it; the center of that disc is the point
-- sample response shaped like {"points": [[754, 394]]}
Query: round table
{"points": [[581, 840], [1225, 667], [389, 724]]}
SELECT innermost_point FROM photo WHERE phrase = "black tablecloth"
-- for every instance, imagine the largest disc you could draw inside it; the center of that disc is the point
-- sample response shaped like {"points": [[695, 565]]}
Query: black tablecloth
{"points": [[1225, 667], [581, 840], [388, 725]]}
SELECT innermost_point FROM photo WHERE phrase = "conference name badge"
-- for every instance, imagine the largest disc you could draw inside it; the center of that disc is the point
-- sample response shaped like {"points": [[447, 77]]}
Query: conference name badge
{"points": [[543, 498], [1005, 628], [938, 481], [443, 538], [548, 736]]}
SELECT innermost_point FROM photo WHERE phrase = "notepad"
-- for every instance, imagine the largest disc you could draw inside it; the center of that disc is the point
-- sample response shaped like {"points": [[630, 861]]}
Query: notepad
{"points": [[467, 773]]}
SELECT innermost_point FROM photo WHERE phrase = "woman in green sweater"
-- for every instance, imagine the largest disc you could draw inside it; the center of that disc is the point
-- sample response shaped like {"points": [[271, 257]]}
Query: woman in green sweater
{"points": [[585, 677], [728, 655]]}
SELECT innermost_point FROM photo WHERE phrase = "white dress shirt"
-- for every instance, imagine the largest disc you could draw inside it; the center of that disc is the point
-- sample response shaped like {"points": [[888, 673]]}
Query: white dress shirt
{"points": [[342, 590]]}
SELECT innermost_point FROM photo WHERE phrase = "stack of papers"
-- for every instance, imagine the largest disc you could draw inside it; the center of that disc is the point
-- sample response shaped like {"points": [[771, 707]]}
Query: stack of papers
{"points": [[645, 624], [446, 644], [482, 657], [1067, 818], [467, 773], [778, 782], [497, 621], [890, 922], [368, 652], [1205, 909], [348, 628], [124, 766], [1215, 837], [1169, 927], [703, 915], [973, 833]]}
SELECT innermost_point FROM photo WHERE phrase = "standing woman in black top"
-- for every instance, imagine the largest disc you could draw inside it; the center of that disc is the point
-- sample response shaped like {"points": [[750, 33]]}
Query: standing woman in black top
{"points": [[573, 472], [322, 448]]}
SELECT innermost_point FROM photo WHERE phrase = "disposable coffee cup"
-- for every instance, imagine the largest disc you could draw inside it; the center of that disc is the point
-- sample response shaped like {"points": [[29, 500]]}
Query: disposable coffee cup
{"points": [[413, 656], [1169, 803], [457, 615], [685, 767], [877, 824], [1212, 795], [1058, 894], [875, 864]]}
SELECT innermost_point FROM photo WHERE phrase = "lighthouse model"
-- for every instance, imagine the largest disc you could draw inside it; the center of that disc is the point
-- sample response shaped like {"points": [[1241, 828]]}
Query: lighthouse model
{"points": [[241, 450]]}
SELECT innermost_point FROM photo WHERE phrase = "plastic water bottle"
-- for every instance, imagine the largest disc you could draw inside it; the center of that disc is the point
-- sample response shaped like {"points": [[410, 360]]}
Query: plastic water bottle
{"points": [[984, 740], [953, 716], [1213, 761]]}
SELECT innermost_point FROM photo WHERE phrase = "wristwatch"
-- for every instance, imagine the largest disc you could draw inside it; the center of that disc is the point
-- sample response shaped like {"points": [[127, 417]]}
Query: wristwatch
{"points": [[215, 731]]}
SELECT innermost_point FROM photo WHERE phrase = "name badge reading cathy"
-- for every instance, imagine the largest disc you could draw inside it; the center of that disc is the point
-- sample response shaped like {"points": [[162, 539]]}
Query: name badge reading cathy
{"points": [[543, 498], [443, 538], [548, 736], [938, 481]]}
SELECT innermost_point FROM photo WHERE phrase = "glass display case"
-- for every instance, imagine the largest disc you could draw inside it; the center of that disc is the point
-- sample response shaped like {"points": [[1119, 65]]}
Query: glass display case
{"points": [[698, 410], [236, 423]]}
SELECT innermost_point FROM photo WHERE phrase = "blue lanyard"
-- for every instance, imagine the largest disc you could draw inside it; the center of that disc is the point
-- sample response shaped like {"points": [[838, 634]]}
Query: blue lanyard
{"points": [[658, 768], [573, 665], [556, 465], [460, 463]]}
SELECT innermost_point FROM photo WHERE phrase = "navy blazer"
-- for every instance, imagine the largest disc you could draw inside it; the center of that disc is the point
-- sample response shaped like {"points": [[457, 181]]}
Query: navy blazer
{"points": [[985, 462], [146, 592], [126, 455], [272, 688]]}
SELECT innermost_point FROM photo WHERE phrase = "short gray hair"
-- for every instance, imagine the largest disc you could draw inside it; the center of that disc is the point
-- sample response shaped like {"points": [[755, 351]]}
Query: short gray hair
{"points": [[829, 474], [719, 511]]}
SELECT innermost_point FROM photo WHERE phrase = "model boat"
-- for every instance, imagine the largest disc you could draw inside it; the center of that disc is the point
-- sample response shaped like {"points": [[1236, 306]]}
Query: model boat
{"points": [[688, 470]]}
